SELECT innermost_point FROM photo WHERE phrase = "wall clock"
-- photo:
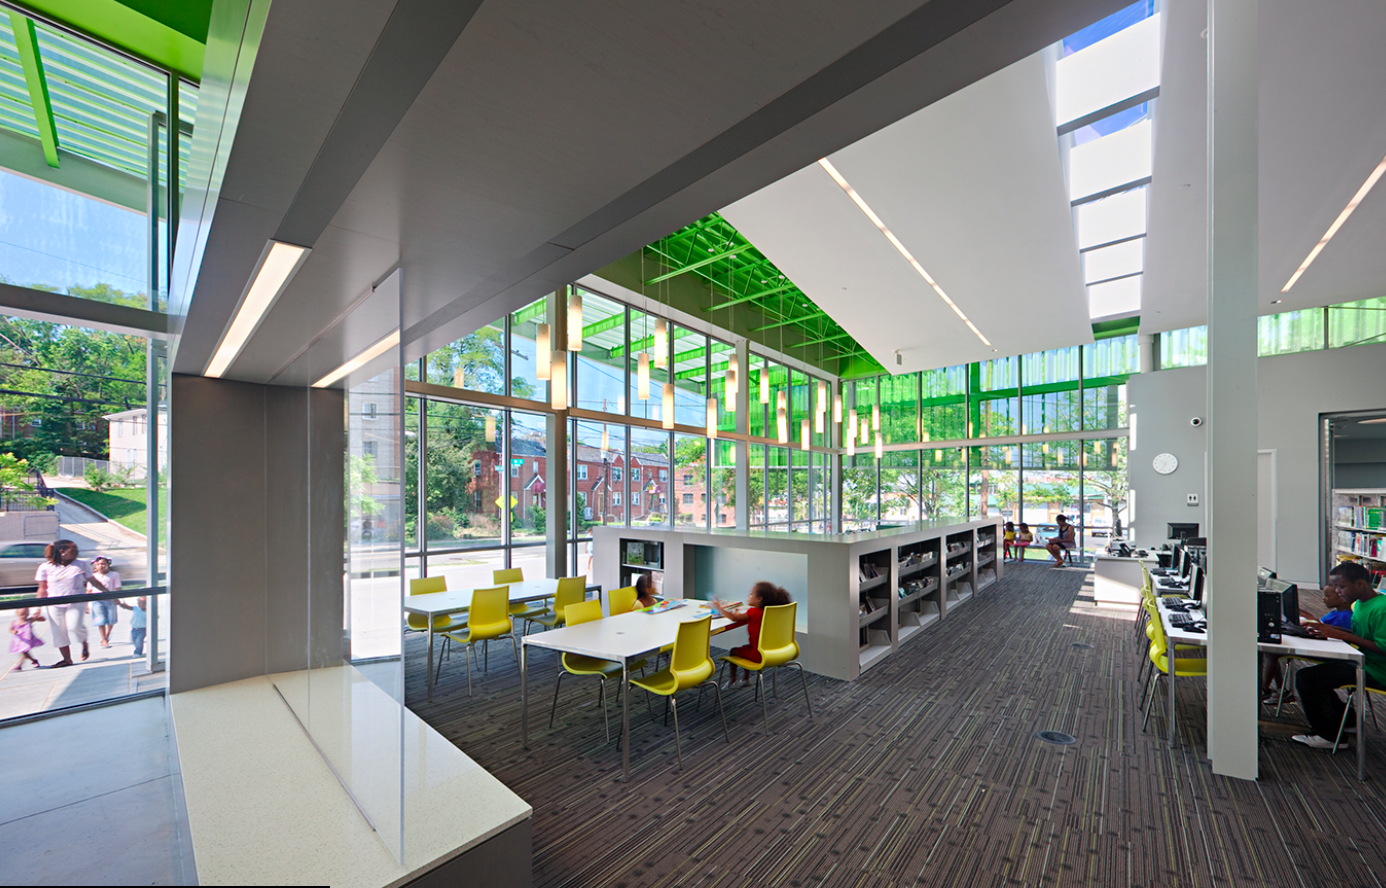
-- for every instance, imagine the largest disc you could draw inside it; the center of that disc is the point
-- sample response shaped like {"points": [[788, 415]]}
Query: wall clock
{"points": [[1164, 463]]}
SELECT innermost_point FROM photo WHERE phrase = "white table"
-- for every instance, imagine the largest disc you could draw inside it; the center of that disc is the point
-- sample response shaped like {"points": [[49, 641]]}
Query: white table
{"points": [[1291, 646], [436, 604], [622, 639], [1119, 579]]}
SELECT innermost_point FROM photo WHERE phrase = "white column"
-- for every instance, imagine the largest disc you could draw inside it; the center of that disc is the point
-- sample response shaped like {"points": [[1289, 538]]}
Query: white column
{"points": [[1146, 343], [743, 454], [1231, 506]]}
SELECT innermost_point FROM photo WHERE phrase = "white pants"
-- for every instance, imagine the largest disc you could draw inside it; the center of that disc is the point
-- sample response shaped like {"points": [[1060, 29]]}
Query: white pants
{"points": [[65, 619]]}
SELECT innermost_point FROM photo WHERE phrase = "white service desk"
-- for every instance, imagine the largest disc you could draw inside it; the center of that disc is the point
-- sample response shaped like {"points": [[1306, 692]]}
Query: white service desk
{"points": [[1118, 580]]}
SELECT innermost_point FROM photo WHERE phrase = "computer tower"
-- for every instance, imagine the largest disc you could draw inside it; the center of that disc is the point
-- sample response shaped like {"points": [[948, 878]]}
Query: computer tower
{"points": [[1268, 605]]}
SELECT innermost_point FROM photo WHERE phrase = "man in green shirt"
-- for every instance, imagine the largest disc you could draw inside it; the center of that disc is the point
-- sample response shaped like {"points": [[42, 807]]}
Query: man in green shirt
{"points": [[1317, 685]]}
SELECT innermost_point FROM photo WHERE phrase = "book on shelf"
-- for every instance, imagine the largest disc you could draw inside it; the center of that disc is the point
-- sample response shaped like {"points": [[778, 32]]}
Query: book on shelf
{"points": [[635, 553], [869, 571]]}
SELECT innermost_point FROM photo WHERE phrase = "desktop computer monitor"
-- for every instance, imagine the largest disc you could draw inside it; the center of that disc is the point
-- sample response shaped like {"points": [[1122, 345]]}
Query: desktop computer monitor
{"points": [[1178, 531], [1289, 600], [1196, 583], [1263, 574]]}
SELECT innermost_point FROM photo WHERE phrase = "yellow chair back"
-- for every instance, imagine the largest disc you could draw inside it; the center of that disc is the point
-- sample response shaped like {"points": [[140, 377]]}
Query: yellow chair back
{"points": [[570, 591], [426, 586], [583, 612], [508, 575], [490, 613], [777, 644], [621, 601], [691, 662]]}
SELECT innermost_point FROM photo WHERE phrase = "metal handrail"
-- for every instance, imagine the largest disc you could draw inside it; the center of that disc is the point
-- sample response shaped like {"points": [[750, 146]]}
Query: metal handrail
{"points": [[17, 603]]}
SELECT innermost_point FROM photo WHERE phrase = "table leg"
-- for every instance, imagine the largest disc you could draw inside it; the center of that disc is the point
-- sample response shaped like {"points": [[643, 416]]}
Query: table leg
{"points": [[625, 720], [524, 694], [430, 659], [1361, 737], [1169, 661]]}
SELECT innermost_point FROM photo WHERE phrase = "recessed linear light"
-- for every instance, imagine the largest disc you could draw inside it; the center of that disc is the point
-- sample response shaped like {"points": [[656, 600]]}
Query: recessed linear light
{"points": [[360, 360], [278, 263], [1371, 421], [895, 242], [1337, 223]]}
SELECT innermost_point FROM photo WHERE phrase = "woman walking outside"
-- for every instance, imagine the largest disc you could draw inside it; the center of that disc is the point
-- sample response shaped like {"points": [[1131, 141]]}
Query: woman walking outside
{"points": [[65, 574]]}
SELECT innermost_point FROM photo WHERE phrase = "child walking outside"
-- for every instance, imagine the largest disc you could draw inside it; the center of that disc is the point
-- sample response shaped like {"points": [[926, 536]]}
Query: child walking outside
{"points": [[138, 623], [762, 595], [24, 640]]}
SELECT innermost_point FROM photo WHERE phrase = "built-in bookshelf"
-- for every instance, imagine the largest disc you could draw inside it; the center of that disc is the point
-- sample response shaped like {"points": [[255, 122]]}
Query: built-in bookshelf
{"points": [[1359, 527], [642, 557]]}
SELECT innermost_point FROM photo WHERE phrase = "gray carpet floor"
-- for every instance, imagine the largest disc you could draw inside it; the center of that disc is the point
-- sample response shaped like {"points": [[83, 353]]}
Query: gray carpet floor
{"points": [[926, 771]]}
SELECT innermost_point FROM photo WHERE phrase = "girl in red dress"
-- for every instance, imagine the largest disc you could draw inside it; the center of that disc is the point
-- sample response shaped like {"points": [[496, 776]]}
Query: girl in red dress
{"points": [[762, 595]]}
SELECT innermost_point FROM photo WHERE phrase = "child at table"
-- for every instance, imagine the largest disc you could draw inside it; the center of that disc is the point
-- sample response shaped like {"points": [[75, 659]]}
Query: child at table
{"points": [[1023, 539], [644, 592], [762, 595], [1008, 540], [24, 641]]}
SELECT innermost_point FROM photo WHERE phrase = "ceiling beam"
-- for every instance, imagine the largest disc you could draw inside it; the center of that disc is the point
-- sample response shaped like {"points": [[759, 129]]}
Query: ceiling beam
{"points": [[843, 335], [74, 311], [750, 296], [26, 41], [780, 323], [717, 257]]}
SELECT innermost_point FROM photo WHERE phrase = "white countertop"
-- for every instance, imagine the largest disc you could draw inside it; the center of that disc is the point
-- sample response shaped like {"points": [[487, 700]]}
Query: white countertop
{"points": [[265, 809]]}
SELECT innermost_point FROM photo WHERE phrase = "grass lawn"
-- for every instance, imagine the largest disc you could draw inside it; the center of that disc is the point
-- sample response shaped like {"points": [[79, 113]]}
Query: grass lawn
{"points": [[125, 505]]}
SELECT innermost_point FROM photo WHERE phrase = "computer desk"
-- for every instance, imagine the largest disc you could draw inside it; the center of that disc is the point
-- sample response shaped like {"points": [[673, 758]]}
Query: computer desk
{"points": [[622, 639], [1289, 646]]}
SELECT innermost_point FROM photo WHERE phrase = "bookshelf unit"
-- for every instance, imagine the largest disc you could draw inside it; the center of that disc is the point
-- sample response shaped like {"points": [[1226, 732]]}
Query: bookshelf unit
{"points": [[860, 595], [1359, 528], [639, 556]]}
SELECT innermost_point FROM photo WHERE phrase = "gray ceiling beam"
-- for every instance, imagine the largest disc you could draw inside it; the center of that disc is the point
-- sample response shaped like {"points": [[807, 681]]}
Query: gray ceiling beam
{"points": [[55, 308]]}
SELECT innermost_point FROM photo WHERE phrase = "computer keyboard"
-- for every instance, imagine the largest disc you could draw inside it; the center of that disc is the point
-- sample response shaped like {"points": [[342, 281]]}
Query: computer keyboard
{"points": [[1182, 620]]}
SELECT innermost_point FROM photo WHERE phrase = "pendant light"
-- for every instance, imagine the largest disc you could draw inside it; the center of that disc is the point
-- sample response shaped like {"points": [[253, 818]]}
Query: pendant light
{"points": [[642, 378], [459, 377], [837, 408], [667, 414], [661, 344], [490, 429], [781, 418], [818, 421], [875, 417], [730, 386], [543, 352], [574, 322], [558, 382], [765, 385], [851, 428], [822, 405], [712, 417], [865, 431], [803, 434], [880, 446]]}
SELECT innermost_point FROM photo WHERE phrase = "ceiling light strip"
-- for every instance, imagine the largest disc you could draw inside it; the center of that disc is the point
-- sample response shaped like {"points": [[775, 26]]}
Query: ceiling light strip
{"points": [[1337, 223], [278, 263], [895, 242], [360, 360]]}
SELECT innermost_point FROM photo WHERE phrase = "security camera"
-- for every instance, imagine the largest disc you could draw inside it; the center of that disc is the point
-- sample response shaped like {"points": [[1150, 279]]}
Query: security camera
{"points": [[1196, 421]]}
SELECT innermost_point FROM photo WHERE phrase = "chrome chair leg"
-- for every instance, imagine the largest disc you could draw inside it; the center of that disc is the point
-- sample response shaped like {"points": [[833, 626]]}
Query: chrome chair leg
{"points": [[803, 680], [469, 668], [764, 713], [556, 685], [718, 692], [678, 745], [606, 718]]}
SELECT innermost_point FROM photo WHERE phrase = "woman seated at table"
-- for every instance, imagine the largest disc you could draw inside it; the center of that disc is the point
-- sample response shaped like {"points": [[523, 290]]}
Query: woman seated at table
{"points": [[1061, 541]]}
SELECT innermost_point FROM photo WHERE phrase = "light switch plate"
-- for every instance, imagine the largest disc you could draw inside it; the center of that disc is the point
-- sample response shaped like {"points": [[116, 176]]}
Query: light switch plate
{"points": [[1193, 499]]}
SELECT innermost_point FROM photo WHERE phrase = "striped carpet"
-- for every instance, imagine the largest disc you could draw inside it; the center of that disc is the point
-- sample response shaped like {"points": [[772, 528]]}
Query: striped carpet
{"points": [[925, 771]]}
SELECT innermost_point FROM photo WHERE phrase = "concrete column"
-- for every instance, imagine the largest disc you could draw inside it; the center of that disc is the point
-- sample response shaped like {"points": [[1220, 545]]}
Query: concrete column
{"points": [[556, 556], [1146, 342], [1231, 506], [743, 453]]}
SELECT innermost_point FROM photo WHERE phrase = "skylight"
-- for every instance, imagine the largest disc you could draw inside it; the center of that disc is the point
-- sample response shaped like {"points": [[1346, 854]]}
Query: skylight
{"points": [[1105, 89]]}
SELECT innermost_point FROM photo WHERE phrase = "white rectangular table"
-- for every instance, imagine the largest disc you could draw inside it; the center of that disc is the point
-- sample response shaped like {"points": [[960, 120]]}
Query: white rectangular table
{"points": [[437, 604], [1289, 646], [622, 638]]}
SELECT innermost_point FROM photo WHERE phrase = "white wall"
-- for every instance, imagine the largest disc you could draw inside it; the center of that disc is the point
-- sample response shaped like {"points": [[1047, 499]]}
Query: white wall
{"points": [[1292, 390]]}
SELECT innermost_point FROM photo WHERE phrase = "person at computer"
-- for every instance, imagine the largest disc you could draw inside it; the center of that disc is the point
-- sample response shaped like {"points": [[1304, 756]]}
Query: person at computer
{"points": [[1317, 686], [1060, 541], [1339, 615]]}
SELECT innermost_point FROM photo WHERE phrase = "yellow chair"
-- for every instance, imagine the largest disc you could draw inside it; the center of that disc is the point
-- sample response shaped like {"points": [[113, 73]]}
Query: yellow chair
{"points": [[1170, 668], [621, 601], [690, 666], [520, 610], [777, 648], [488, 619], [579, 664], [571, 590], [427, 586]]}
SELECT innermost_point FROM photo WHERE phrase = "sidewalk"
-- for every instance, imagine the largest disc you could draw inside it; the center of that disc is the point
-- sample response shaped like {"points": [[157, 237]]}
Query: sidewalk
{"points": [[111, 672]]}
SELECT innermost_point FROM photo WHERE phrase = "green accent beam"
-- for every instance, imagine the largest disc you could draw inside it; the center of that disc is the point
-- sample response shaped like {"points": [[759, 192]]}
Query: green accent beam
{"points": [[26, 41], [786, 321], [843, 335], [1112, 329], [751, 297], [171, 34], [607, 323], [537, 310], [717, 257]]}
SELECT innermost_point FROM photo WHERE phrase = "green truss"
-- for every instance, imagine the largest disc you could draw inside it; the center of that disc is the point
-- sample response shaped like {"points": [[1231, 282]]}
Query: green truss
{"points": [[740, 274]]}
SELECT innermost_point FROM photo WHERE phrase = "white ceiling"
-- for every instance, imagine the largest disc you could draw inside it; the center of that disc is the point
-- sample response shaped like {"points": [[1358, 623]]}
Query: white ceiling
{"points": [[973, 187]]}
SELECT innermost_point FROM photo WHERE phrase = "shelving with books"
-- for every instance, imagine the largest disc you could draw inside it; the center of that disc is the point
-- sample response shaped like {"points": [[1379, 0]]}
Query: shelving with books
{"points": [[958, 576], [1359, 527], [874, 621], [642, 557], [986, 558], [918, 587]]}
